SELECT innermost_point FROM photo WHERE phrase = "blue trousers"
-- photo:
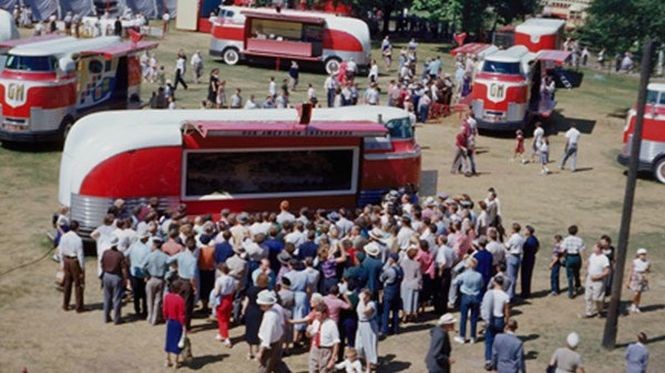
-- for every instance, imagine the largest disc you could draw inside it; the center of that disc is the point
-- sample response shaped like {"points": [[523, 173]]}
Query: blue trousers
{"points": [[391, 303], [469, 303], [573, 264], [554, 278], [495, 327], [512, 269], [330, 95]]}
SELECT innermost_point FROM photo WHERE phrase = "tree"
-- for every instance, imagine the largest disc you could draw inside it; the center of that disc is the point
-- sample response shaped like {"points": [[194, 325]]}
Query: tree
{"points": [[622, 25], [387, 7]]}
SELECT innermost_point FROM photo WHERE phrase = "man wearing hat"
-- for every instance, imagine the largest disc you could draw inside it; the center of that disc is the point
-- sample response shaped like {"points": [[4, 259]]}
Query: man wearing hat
{"points": [[137, 254], [114, 280], [438, 358], [155, 269], [271, 331], [373, 266], [70, 250], [391, 278], [238, 268]]}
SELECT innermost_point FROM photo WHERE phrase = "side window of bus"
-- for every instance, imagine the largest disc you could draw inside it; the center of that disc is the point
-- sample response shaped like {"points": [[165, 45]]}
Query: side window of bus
{"points": [[400, 128], [95, 67], [662, 98]]}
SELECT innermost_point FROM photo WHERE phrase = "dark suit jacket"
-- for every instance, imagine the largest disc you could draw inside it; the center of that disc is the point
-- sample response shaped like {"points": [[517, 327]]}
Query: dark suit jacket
{"points": [[439, 351]]}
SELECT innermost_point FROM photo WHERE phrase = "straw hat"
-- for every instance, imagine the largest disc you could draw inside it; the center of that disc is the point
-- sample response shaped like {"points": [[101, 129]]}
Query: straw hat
{"points": [[372, 249], [266, 298], [446, 319]]}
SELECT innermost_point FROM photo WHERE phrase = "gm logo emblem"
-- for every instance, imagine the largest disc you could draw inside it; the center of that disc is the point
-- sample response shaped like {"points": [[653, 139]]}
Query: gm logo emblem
{"points": [[15, 94], [497, 92]]}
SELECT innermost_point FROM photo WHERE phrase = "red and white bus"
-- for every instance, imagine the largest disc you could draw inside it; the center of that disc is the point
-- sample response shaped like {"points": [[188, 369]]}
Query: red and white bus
{"points": [[304, 36], [244, 160], [652, 150], [48, 82]]}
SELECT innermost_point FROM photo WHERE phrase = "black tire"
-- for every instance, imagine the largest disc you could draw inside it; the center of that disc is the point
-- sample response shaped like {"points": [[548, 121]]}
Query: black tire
{"points": [[659, 170], [332, 65], [231, 56], [66, 126]]}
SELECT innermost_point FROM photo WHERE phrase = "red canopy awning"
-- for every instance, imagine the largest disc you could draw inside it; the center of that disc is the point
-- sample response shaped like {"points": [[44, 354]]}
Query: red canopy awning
{"points": [[283, 17], [283, 129], [121, 49], [557, 56], [471, 48]]}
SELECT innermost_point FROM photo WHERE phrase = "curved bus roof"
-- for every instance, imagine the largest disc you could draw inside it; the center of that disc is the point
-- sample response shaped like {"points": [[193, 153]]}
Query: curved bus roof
{"points": [[100, 136], [540, 26], [63, 46], [660, 87], [512, 54]]}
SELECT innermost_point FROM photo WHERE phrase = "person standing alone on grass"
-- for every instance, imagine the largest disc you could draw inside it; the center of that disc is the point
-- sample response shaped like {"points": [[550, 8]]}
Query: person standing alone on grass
{"points": [[637, 355], [570, 151], [438, 358], [638, 281], [530, 248], [598, 267], [461, 152], [70, 250], [515, 247], [180, 68], [573, 246], [508, 351]]}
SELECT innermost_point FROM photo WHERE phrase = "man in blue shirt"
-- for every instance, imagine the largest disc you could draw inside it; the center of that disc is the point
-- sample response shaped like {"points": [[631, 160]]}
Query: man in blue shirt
{"points": [[637, 355], [224, 249], [137, 254], [373, 267], [155, 269], [484, 259], [471, 284], [275, 246], [508, 351], [309, 248]]}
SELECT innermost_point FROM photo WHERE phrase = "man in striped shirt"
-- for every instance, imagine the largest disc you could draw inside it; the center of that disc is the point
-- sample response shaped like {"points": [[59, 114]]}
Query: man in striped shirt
{"points": [[573, 246]]}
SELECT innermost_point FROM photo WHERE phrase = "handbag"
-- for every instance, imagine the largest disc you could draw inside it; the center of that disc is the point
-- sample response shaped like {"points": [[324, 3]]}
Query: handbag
{"points": [[183, 337]]}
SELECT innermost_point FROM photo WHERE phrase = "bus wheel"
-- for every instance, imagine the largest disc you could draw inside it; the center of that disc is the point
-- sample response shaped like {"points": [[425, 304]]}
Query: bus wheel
{"points": [[659, 170], [66, 126], [231, 56], [332, 65]]}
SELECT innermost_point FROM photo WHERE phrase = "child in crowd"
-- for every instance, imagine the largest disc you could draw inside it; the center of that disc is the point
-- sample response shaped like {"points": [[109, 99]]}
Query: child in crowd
{"points": [[556, 264], [519, 146], [351, 363], [544, 154]]}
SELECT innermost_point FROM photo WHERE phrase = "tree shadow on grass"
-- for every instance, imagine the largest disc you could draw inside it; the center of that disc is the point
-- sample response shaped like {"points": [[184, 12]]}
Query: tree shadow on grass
{"points": [[389, 364], [529, 337], [531, 355], [199, 362]]}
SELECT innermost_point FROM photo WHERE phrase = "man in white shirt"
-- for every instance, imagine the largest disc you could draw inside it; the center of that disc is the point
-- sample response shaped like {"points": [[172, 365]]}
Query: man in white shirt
{"points": [[284, 214], [495, 247], [271, 331], [325, 341], [570, 151], [514, 247], [102, 236], [538, 135], [272, 87], [250, 103], [72, 264], [573, 246], [372, 95], [236, 99], [311, 94], [330, 85], [598, 268], [405, 234], [495, 310]]}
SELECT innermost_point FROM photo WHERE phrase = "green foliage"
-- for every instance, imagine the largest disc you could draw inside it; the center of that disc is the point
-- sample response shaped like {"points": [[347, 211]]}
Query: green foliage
{"points": [[621, 25]]}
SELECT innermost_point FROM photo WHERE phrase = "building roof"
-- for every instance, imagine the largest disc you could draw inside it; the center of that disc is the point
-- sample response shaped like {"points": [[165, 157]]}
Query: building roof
{"points": [[100, 136], [540, 26], [64, 46]]}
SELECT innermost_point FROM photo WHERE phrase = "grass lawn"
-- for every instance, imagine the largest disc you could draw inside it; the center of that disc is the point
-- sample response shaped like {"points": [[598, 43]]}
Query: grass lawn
{"points": [[38, 335]]}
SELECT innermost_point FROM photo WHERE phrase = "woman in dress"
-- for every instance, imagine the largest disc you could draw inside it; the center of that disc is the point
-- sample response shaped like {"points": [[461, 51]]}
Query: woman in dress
{"points": [[173, 310], [299, 283], [287, 301], [367, 334], [253, 314], [225, 288], [639, 282], [411, 284]]}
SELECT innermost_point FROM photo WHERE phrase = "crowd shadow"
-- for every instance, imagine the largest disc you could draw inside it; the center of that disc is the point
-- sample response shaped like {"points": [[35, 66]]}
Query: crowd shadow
{"points": [[389, 364], [199, 362]]}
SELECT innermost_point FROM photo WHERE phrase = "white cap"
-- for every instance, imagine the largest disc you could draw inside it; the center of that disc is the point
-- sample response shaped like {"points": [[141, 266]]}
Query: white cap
{"points": [[641, 251], [573, 340]]}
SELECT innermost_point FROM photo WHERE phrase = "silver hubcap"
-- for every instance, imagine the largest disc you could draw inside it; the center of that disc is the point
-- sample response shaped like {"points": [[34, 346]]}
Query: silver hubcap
{"points": [[332, 66], [231, 57]]}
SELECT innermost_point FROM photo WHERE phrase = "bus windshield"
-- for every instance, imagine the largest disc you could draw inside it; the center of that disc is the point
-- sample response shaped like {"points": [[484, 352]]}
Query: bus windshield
{"points": [[652, 97], [497, 67], [31, 63], [400, 128]]}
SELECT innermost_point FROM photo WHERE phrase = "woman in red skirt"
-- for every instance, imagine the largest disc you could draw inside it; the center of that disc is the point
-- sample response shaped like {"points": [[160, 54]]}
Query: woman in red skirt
{"points": [[225, 288], [174, 314]]}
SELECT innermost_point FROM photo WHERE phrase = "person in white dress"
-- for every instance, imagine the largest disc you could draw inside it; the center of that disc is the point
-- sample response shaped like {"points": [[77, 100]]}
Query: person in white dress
{"points": [[368, 330], [638, 281]]}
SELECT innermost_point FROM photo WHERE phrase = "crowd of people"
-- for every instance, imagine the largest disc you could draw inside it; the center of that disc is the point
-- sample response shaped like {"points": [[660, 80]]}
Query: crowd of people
{"points": [[337, 282]]}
